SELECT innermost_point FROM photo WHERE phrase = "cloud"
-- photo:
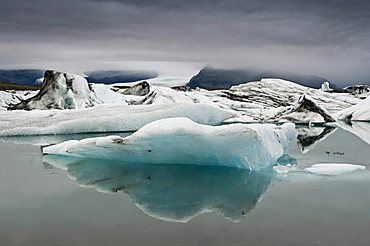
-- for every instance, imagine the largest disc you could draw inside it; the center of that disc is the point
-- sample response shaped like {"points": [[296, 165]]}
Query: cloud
{"points": [[328, 38]]}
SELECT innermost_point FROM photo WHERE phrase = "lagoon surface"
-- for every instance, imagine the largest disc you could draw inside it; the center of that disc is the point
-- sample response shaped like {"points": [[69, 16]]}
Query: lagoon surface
{"points": [[97, 202]]}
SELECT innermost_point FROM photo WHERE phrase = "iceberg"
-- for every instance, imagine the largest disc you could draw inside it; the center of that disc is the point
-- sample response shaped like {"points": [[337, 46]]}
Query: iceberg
{"points": [[306, 110], [182, 141], [105, 95], [140, 89], [321, 169], [281, 93], [358, 112], [333, 169], [164, 95], [60, 91], [357, 89], [173, 193], [326, 87], [104, 118], [7, 98]]}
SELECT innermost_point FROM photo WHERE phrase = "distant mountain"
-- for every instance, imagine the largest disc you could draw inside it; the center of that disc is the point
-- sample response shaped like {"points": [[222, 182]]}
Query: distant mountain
{"points": [[115, 76], [21, 76], [12, 86], [216, 78]]}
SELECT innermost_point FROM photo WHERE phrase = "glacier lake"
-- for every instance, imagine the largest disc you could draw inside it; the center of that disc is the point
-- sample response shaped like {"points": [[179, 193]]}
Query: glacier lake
{"points": [[43, 201]]}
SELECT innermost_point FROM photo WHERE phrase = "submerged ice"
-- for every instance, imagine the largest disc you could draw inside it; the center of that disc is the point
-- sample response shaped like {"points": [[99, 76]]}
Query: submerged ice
{"points": [[182, 141]]}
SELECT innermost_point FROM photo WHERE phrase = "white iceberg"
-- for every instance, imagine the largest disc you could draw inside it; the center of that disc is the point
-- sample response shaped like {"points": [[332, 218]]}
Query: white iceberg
{"points": [[358, 112], [105, 95], [104, 118], [165, 95], [326, 87], [182, 141], [306, 110], [333, 169], [273, 93], [317, 170], [163, 81], [60, 91], [7, 98]]}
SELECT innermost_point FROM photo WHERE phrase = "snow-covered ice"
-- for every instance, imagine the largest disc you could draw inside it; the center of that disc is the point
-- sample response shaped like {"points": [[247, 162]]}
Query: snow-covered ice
{"points": [[105, 95], [333, 169], [182, 141], [306, 110], [104, 118], [358, 112], [322, 169], [326, 87], [61, 91], [265, 101], [7, 98], [163, 81]]}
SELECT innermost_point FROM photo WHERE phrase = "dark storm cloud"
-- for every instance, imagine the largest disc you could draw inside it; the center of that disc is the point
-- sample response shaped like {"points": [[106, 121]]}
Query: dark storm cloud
{"points": [[329, 38]]}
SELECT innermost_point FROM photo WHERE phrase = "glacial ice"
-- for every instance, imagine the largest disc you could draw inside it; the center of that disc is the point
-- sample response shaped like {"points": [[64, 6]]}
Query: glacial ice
{"points": [[160, 81], [358, 112], [268, 100], [333, 169], [273, 93], [326, 87], [60, 91], [306, 110], [7, 98], [182, 141], [104, 118], [106, 95], [164, 95], [174, 193]]}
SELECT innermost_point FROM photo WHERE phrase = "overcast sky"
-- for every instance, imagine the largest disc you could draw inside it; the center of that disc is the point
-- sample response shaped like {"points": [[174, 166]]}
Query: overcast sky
{"points": [[330, 38]]}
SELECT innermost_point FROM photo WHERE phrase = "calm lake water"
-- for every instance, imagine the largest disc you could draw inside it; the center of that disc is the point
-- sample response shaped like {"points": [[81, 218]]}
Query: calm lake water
{"points": [[109, 203]]}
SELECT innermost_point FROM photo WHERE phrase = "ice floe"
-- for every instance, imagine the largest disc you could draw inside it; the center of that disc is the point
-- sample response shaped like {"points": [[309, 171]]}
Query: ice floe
{"points": [[321, 169], [333, 169]]}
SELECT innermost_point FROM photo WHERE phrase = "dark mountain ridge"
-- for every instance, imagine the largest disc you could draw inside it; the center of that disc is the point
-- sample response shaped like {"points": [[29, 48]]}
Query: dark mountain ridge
{"points": [[115, 76], [21, 76], [215, 78]]}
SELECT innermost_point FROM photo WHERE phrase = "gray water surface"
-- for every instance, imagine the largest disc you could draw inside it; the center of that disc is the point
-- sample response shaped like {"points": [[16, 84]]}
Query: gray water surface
{"points": [[109, 203]]}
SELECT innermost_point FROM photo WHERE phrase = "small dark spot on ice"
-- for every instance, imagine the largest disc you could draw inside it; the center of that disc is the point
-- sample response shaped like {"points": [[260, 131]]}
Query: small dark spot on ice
{"points": [[149, 177], [119, 141], [149, 150], [243, 213], [338, 153]]}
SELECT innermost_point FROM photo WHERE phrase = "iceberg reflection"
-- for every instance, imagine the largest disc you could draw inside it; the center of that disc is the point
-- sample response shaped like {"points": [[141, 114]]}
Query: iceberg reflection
{"points": [[173, 192], [309, 137]]}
